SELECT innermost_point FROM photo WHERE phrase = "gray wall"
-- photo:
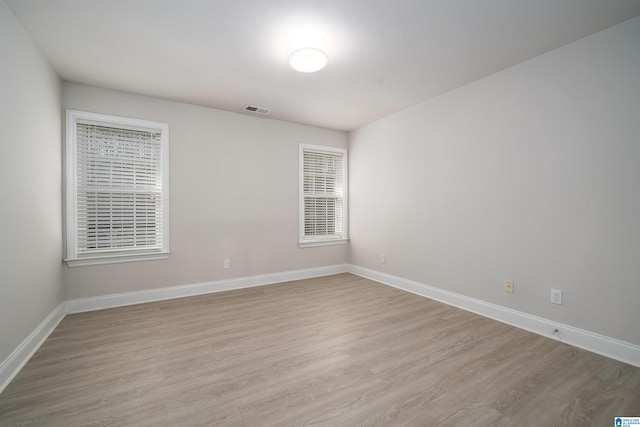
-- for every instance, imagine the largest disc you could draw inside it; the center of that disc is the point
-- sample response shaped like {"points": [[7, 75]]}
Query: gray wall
{"points": [[233, 194], [531, 174], [30, 211]]}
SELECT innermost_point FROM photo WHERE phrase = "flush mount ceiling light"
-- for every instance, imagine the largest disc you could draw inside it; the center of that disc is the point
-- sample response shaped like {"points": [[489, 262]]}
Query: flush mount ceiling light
{"points": [[308, 59]]}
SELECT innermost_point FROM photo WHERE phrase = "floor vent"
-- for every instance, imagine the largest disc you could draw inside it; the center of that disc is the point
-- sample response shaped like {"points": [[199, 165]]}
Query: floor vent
{"points": [[257, 110]]}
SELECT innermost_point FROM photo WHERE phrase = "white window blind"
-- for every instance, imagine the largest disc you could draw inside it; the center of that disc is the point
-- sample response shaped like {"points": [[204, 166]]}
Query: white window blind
{"points": [[323, 199], [118, 187]]}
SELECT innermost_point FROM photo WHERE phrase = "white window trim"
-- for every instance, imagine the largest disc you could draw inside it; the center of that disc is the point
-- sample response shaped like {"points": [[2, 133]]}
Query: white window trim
{"points": [[306, 243], [73, 260]]}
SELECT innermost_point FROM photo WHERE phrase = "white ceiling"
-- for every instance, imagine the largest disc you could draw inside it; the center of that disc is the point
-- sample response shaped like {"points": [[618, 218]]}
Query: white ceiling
{"points": [[384, 55]]}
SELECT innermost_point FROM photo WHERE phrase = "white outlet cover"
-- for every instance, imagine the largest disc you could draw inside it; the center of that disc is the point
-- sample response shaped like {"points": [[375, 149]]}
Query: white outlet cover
{"points": [[556, 296]]}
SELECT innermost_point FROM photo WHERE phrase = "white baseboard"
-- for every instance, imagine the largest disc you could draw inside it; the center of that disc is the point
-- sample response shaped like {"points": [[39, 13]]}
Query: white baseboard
{"points": [[10, 367], [609, 347], [159, 294]]}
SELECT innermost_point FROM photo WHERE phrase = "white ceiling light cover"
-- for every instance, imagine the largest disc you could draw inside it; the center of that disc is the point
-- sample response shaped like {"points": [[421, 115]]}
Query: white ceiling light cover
{"points": [[308, 59]]}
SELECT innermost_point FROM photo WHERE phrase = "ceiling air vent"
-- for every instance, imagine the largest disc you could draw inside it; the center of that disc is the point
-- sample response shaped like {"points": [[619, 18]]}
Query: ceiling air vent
{"points": [[257, 110]]}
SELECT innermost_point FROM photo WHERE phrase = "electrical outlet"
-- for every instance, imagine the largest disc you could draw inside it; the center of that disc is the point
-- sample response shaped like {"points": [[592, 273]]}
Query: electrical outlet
{"points": [[383, 259], [227, 263], [508, 286], [556, 296]]}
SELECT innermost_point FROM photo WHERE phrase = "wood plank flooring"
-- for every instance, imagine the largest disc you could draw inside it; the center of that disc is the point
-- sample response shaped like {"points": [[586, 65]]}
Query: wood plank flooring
{"points": [[332, 351]]}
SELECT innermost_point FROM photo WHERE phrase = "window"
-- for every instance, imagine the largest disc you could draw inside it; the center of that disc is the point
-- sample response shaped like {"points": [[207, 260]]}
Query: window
{"points": [[117, 189], [323, 195]]}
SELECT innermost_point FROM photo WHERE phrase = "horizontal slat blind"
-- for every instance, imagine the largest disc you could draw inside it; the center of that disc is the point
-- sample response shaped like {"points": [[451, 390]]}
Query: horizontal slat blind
{"points": [[119, 189], [323, 195]]}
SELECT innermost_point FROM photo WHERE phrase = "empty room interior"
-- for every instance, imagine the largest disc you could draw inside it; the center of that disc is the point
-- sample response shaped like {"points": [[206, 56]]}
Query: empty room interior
{"points": [[322, 212]]}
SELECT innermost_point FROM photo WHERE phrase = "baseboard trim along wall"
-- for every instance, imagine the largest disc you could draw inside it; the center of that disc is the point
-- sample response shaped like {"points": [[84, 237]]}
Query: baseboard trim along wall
{"points": [[130, 298], [605, 346], [609, 347], [10, 367]]}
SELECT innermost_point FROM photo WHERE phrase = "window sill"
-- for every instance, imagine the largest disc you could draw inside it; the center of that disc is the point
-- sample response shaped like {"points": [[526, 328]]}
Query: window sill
{"points": [[314, 243], [115, 259]]}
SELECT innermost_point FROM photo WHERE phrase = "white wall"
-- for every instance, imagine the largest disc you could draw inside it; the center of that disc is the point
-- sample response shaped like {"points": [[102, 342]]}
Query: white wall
{"points": [[532, 174], [233, 194], [30, 168]]}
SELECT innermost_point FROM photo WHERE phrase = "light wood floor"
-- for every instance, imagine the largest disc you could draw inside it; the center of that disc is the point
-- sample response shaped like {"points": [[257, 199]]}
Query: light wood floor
{"points": [[335, 351]]}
